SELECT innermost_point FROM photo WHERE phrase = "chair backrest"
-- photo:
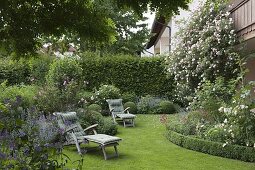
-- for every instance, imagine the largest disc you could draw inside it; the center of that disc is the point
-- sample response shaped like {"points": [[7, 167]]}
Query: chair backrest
{"points": [[116, 106], [69, 120]]}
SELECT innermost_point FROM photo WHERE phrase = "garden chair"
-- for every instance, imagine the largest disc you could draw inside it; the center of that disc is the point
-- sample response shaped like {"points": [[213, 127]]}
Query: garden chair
{"points": [[74, 134], [119, 114]]}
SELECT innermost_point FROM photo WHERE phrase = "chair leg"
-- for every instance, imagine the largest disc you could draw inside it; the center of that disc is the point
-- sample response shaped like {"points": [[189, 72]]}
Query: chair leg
{"points": [[124, 122], [104, 152], [116, 151], [76, 143]]}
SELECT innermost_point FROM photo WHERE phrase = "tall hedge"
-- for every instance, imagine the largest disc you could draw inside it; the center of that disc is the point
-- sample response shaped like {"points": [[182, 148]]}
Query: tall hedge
{"points": [[130, 74]]}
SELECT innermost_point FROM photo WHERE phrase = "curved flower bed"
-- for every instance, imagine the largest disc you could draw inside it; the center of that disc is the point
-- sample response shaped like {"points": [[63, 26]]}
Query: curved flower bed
{"points": [[214, 148]]}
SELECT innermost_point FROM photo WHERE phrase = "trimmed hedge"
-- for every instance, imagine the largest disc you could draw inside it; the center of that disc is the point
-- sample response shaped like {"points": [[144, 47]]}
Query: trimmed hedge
{"points": [[214, 148], [130, 74], [134, 75]]}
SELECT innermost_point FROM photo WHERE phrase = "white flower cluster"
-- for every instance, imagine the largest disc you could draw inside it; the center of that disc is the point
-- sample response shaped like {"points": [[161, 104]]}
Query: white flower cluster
{"points": [[239, 119]]}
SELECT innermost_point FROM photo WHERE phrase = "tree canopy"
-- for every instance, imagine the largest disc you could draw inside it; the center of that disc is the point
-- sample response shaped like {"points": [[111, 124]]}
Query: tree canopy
{"points": [[23, 21]]}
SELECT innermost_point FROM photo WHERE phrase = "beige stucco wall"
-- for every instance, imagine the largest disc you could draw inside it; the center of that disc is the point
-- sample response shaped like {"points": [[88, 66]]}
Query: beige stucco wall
{"points": [[250, 76]]}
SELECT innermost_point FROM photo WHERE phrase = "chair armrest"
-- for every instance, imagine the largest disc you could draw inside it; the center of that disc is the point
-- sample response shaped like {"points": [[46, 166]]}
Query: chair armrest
{"points": [[111, 110], [92, 127], [126, 110], [70, 128]]}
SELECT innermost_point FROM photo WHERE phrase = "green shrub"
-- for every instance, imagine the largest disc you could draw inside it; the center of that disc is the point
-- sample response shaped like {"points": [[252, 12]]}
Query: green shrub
{"points": [[148, 105], [214, 148], [64, 71], [130, 74], [51, 99], [216, 134], [39, 68], [181, 126], [95, 107], [85, 97], [25, 92], [212, 96], [90, 117], [48, 100], [15, 72], [106, 92], [129, 97], [166, 107], [108, 127], [3, 108], [132, 107], [239, 121]]}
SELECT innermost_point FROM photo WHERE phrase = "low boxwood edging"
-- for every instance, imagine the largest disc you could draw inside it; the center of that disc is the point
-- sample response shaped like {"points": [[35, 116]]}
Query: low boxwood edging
{"points": [[214, 148]]}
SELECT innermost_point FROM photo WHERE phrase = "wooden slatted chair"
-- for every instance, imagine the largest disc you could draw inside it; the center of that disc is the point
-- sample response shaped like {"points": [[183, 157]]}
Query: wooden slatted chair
{"points": [[119, 113], [74, 134]]}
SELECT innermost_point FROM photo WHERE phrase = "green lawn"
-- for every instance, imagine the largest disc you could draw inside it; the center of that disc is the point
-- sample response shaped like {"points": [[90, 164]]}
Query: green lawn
{"points": [[145, 147]]}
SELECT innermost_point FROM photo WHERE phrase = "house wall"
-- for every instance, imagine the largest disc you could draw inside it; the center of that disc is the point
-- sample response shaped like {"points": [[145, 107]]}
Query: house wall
{"points": [[184, 14], [164, 45], [243, 14]]}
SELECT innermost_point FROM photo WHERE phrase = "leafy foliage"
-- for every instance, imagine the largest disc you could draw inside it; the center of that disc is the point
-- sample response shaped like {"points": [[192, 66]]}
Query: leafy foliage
{"points": [[12, 93], [22, 22], [106, 92], [211, 96], [64, 71], [164, 6], [132, 33], [129, 97], [38, 69], [15, 72]]}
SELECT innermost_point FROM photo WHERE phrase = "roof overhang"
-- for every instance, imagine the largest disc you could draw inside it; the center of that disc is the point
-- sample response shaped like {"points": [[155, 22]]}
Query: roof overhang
{"points": [[157, 30]]}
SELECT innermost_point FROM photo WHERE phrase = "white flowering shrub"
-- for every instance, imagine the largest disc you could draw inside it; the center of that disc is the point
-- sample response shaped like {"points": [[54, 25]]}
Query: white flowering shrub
{"points": [[213, 95], [106, 92], [203, 50], [240, 121]]}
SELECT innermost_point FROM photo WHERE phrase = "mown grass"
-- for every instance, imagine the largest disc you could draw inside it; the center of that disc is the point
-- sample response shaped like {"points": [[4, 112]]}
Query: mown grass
{"points": [[145, 147]]}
